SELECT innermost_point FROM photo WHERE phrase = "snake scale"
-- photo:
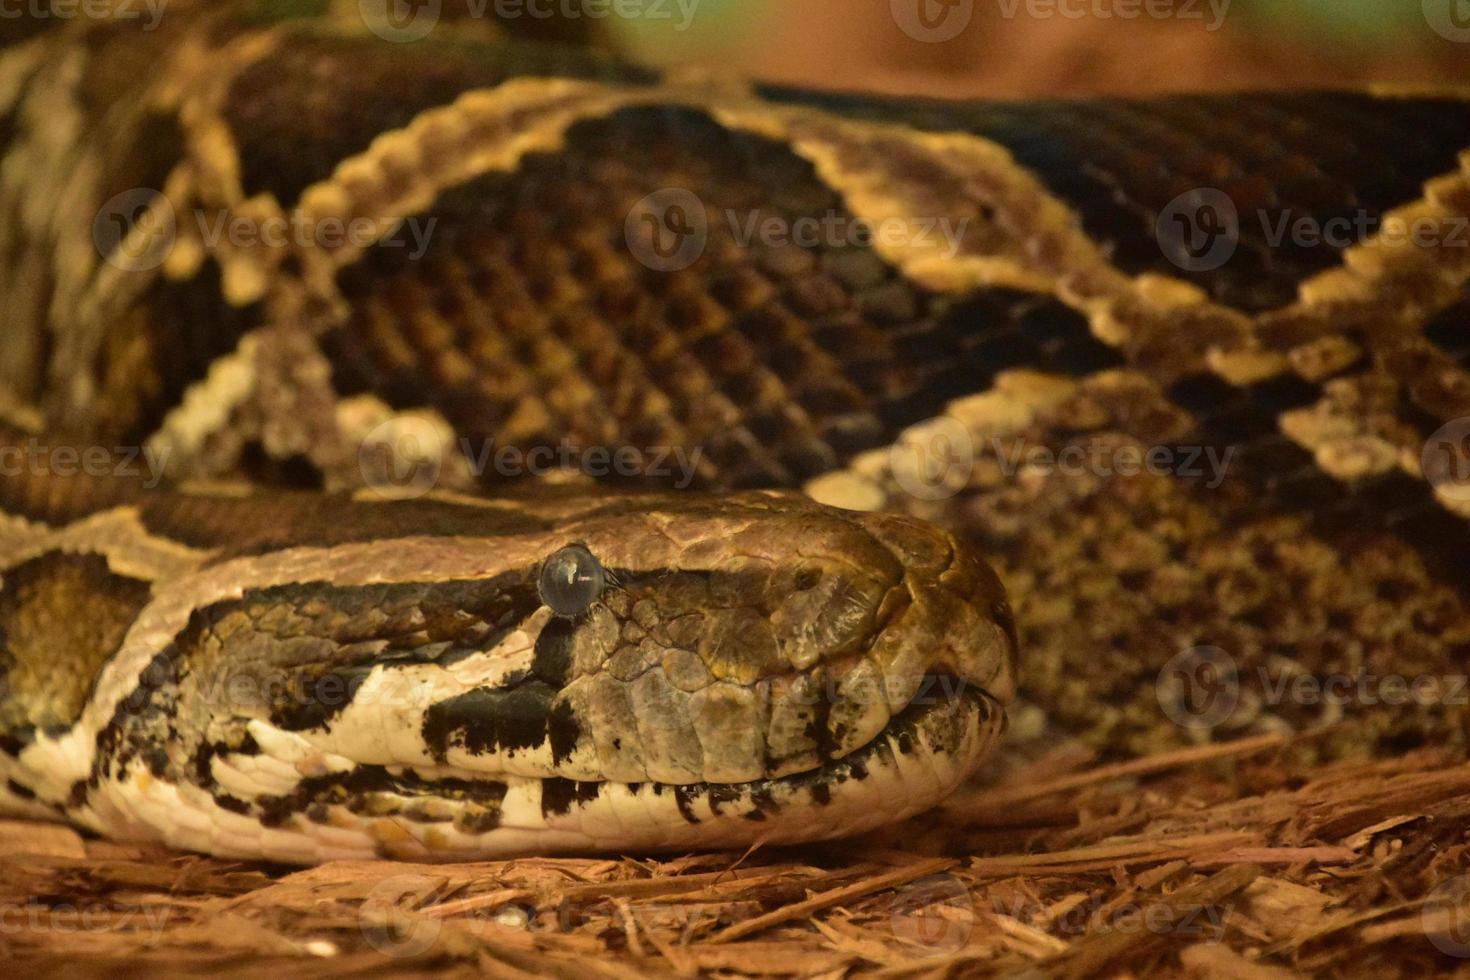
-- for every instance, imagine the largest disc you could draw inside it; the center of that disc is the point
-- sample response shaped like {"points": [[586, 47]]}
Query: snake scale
{"points": [[291, 311]]}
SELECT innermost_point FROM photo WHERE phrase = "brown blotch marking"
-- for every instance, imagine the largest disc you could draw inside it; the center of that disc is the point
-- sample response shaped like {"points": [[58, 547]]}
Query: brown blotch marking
{"points": [[748, 362], [563, 729], [156, 349], [684, 797], [553, 657], [487, 720], [558, 796], [77, 795], [61, 617], [723, 794], [763, 800], [375, 791]]}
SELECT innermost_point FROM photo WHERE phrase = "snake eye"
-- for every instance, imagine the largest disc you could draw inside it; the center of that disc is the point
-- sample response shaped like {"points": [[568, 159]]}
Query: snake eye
{"points": [[571, 580]]}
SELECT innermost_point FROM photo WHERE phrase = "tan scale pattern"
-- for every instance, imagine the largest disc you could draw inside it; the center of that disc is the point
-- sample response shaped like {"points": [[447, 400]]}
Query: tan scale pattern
{"points": [[1074, 548], [1141, 568]]}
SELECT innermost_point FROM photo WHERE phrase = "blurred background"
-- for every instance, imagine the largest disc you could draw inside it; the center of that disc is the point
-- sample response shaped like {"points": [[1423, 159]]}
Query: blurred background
{"points": [[1018, 48]]}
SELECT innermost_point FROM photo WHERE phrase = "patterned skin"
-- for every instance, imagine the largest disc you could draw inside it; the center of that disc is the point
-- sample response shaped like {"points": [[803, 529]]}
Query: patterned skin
{"points": [[1187, 371]]}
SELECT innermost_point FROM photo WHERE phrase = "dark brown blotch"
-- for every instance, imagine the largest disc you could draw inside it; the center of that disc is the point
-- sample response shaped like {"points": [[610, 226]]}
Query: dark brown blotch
{"points": [[487, 720]]}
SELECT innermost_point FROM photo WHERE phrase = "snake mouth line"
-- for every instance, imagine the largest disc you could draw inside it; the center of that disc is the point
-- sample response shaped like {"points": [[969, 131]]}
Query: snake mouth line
{"points": [[917, 759]]}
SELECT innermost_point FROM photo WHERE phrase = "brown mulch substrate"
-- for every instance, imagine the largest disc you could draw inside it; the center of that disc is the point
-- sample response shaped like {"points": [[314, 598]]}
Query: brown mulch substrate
{"points": [[1235, 860]]}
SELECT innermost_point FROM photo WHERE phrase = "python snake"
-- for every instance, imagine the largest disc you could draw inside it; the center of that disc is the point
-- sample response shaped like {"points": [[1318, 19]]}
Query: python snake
{"points": [[289, 308]]}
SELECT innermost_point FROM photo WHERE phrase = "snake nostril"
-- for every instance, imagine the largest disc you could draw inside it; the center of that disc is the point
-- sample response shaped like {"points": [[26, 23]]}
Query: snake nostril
{"points": [[806, 579]]}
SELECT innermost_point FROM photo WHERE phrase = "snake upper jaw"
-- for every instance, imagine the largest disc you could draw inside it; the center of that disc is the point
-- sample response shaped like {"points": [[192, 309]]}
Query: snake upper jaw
{"points": [[957, 620]]}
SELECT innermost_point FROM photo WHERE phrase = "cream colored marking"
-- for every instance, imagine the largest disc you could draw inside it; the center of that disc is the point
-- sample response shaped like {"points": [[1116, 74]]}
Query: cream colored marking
{"points": [[420, 437], [18, 64], [17, 533], [1041, 246], [1034, 241], [208, 405], [43, 173], [1007, 409], [1393, 252], [117, 534], [1417, 90], [382, 724]]}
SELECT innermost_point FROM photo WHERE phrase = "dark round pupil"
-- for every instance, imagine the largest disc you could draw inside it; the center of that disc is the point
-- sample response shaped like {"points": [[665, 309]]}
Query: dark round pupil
{"points": [[571, 580]]}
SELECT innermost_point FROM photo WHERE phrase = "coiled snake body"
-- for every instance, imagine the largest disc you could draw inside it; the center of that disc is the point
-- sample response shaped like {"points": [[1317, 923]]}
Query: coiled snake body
{"points": [[258, 274]]}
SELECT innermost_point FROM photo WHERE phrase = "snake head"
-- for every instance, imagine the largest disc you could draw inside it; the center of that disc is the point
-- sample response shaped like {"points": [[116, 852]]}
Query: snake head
{"points": [[630, 673]]}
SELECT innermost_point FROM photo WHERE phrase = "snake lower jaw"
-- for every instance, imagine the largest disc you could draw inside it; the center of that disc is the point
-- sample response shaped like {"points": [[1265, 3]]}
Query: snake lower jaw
{"points": [[923, 753]]}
